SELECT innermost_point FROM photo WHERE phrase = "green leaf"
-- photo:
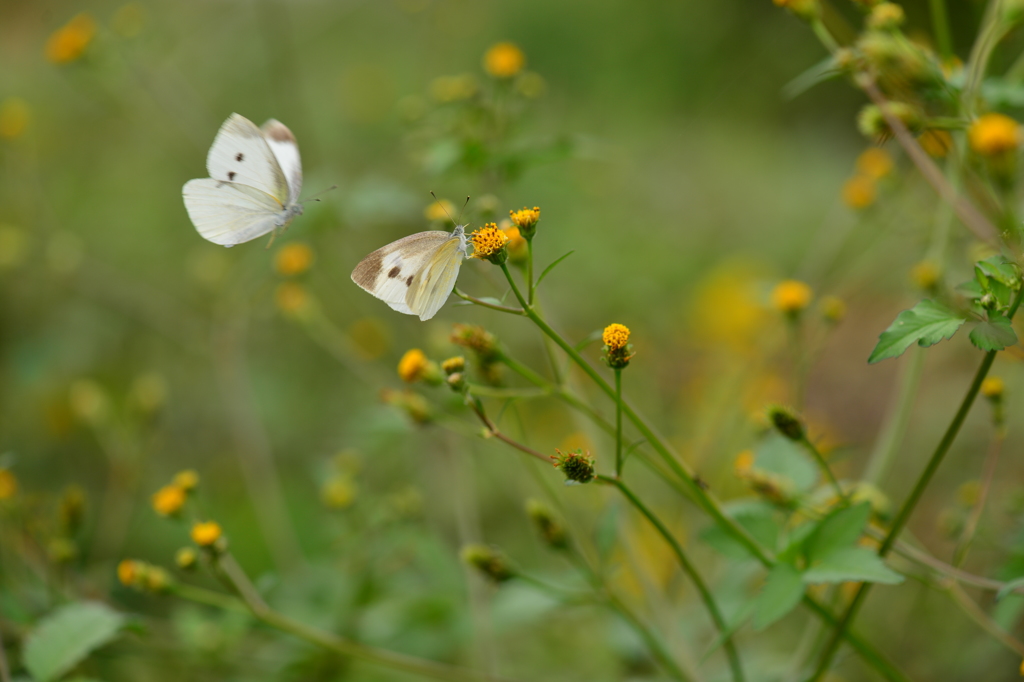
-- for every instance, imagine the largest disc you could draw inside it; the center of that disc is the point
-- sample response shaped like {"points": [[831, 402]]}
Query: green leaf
{"points": [[926, 324], [66, 636], [971, 289], [782, 591], [550, 268], [778, 455], [756, 517], [996, 333], [1001, 270], [819, 73], [836, 531], [857, 564], [590, 338]]}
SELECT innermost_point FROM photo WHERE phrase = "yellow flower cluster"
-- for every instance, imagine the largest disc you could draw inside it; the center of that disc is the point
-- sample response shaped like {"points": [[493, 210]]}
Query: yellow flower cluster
{"points": [[169, 500], [525, 219], [205, 533], [791, 296], [615, 336], [68, 43], [488, 241], [861, 190], [439, 210], [504, 60], [143, 576], [993, 387], [994, 134], [293, 259], [412, 365], [925, 275]]}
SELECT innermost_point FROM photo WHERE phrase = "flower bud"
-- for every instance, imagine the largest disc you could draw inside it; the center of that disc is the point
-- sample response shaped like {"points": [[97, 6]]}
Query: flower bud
{"points": [[526, 220], [786, 423], [551, 531], [186, 558], [577, 466], [488, 561]]}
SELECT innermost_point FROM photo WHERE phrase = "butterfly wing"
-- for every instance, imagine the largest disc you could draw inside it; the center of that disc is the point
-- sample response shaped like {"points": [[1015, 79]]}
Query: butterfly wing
{"points": [[286, 150], [389, 272], [434, 282], [241, 154], [229, 213]]}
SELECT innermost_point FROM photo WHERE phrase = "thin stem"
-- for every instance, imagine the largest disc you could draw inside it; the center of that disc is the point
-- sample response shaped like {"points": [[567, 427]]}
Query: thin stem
{"points": [[478, 409], [824, 466], [975, 613], [485, 304], [940, 23], [971, 526], [493, 392], [691, 571], [618, 422], [529, 271], [899, 420], [824, 35]]}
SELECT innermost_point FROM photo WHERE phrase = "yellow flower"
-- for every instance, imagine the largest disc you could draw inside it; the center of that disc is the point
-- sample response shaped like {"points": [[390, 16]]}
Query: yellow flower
{"points": [[994, 134], [128, 572], [615, 336], [743, 463], [14, 117], [489, 243], [791, 296], [859, 192], [439, 210], [516, 244], [169, 500], [187, 479], [925, 275], [339, 492], [833, 308], [8, 484], [525, 219], [293, 259], [993, 387], [412, 365], [453, 365], [291, 298], [874, 163], [967, 493], [936, 142], [504, 60], [185, 558], [885, 16], [69, 42], [205, 533]]}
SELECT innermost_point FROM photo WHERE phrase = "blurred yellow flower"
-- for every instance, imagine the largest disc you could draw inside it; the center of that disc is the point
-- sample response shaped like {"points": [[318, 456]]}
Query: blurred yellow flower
{"points": [[516, 244], [925, 275], [370, 337], [504, 60], [791, 296], [936, 142], [993, 387], [531, 85], [439, 210], [453, 88], [89, 402], [185, 558], [412, 365], [128, 20], [14, 117], [293, 259], [833, 308], [454, 365], [186, 479], [743, 463], [885, 16], [488, 241], [874, 163], [205, 533], [127, 572], [169, 500], [994, 134], [338, 493], [69, 42], [859, 192], [8, 484], [968, 493], [615, 336], [291, 298]]}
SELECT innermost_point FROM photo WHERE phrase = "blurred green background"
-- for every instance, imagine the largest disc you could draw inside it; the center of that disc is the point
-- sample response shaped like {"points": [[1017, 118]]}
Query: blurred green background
{"points": [[661, 148]]}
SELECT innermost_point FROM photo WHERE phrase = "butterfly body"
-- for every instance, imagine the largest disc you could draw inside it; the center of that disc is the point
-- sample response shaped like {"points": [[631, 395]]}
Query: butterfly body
{"points": [[415, 274], [254, 184]]}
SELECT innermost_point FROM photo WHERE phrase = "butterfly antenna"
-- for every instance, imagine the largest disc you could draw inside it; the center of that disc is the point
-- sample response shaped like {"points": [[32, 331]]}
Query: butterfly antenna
{"points": [[314, 197], [441, 204], [463, 210]]}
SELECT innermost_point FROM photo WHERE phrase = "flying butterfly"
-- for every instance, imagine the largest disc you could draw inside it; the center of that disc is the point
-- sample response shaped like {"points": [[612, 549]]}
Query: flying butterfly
{"points": [[416, 274], [254, 183]]}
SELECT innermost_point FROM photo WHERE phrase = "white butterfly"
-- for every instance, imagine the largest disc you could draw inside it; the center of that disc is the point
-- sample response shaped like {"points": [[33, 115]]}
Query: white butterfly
{"points": [[416, 274], [254, 183]]}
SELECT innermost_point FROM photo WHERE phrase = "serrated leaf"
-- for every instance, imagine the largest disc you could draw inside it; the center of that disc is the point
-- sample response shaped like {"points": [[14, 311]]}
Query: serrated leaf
{"points": [[996, 333], [971, 289], [782, 591], [66, 636], [925, 324], [839, 529], [851, 564], [1001, 270], [550, 268]]}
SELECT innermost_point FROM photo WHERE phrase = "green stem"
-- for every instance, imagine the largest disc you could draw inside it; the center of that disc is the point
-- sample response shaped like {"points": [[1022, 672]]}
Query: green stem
{"points": [[618, 422], [824, 466], [529, 271], [940, 22], [896, 426], [485, 304], [824, 35], [991, 460], [691, 571]]}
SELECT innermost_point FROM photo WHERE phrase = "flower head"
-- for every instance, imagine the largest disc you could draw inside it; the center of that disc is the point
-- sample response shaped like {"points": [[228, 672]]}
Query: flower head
{"points": [[293, 259], [833, 309], [786, 422], [14, 117], [185, 558], [791, 297], [488, 561], [439, 210], [8, 484], [885, 16], [874, 163], [187, 479], [206, 533], [412, 365], [994, 135], [489, 243], [169, 500], [617, 349], [743, 463], [453, 365], [859, 192], [292, 298], [516, 245], [993, 388], [577, 465], [872, 121], [925, 275], [69, 42], [128, 572], [526, 220], [504, 60], [551, 530]]}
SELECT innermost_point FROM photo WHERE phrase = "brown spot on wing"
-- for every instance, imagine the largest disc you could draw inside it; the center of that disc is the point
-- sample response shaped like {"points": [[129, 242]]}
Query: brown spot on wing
{"points": [[231, 175], [365, 274], [238, 156], [408, 282], [277, 131], [394, 272]]}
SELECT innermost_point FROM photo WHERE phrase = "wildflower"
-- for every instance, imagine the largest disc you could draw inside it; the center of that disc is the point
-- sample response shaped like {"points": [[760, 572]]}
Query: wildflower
{"points": [[968, 493], [412, 403], [128, 571], [531, 85], [504, 60], [489, 243], [155, 579], [859, 192], [743, 463], [994, 135], [291, 298], [874, 163], [69, 42], [169, 500], [925, 275], [993, 388], [8, 484], [439, 210], [833, 309], [488, 561], [453, 365], [293, 259], [414, 366], [187, 479], [577, 466], [14, 117], [517, 248], [339, 492], [872, 122], [617, 349], [206, 533], [526, 220], [552, 532], [478, 340], [457, 382], [185, 558], [804, 9], [885, 16], [786, 422], [936, 142], [791, 297]]}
